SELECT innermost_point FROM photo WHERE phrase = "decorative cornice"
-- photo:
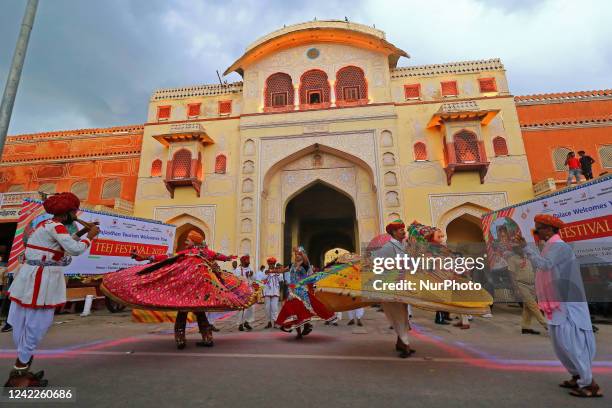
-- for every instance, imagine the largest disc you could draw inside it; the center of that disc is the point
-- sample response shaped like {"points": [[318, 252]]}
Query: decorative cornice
{"points": [[198, 90], [69, 159], [77, 133], [460, 67], [569, 124], [563, 97]]}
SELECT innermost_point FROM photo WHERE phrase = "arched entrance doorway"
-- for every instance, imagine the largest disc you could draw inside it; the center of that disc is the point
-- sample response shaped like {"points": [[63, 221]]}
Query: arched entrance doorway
{"points": [[181, 235], [319, 218], [464, 234]]}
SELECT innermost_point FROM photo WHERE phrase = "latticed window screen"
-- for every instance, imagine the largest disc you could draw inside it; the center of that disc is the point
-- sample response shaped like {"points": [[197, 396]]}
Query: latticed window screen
{"points": [[500, 148], [487, 85], [314, 80], [279, 99], [279, 83], [412, 91], [605, 155], [449, 88], [466, 147], [181, 164], [420, 151], [156, 168], [193, 109], [559, 156], [220, 164], [225, 107], [111, 189], [163, 112], [48, 188], [80, 189], [16, 188], [351, 77]]}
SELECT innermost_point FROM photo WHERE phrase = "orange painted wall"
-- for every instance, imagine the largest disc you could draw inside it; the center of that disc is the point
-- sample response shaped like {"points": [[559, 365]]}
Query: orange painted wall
{"points": [[565, 129], [63, 158], [539, 146]]}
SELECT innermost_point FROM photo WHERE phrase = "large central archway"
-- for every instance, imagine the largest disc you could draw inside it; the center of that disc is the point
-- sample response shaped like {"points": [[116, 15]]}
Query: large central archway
{"points": [[319, 218], [341, 204]]}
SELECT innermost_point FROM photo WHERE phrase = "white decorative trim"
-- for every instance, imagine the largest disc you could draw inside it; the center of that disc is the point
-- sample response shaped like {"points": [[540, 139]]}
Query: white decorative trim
{"points": [[441, 203], [205, 213]]}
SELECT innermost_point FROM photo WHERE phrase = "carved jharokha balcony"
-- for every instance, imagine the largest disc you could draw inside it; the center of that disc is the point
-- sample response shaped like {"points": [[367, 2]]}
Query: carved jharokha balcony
{"points": [[480, 167], [171, 184]]}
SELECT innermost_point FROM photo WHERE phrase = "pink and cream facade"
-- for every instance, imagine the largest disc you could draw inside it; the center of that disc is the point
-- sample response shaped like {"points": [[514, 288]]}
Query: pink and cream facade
{"points": [[325, 128]]}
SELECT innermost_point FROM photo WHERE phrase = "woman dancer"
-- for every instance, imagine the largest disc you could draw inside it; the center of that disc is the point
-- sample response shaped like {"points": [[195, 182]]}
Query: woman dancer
{"points": [[190, 281]]}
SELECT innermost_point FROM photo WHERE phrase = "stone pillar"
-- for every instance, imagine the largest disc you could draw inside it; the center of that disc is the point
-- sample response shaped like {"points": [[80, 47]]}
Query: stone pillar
{"points": [[296, 97], [332, 93]]}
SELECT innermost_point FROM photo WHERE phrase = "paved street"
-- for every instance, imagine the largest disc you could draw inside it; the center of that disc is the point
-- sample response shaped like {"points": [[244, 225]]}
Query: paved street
{"points": [[111, 361]]}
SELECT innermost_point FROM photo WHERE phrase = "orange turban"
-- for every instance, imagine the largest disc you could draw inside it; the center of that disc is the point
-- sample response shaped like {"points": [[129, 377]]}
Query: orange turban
{"points": [[394, 225], [62, 203], [548, 219], [195, 237], [271, 260]]}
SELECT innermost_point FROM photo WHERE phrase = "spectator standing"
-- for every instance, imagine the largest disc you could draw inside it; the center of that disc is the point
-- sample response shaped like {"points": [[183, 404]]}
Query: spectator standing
{"points": [[586, 165], [573, 166]]}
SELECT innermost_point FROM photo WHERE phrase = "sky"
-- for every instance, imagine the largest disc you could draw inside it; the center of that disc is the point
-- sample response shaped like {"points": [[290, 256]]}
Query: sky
{"points": [[96, 63]]}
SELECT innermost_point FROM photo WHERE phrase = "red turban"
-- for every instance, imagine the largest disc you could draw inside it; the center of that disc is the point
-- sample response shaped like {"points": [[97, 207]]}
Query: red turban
{"points": [[271, 260], [394, 225], [548, 219], [62, 203], [245, 259], [195, 237]]}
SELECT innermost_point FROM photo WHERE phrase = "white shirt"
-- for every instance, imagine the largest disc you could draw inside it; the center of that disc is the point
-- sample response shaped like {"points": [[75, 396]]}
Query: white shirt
{"points": [[272, 283], [44, 286], [242, 271]]}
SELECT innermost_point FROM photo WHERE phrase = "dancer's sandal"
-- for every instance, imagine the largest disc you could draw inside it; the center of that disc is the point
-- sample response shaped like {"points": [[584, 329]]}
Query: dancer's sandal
{"points": [[573, 383], [207, 338], [179, 338], [590, 391]]}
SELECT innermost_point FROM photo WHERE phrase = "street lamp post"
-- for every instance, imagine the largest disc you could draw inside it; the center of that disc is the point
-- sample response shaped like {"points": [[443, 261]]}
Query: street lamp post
{"points": [[12, 82]]}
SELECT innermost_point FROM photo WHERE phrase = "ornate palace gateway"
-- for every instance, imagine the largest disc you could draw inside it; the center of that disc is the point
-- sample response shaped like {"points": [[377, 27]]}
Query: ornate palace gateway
{"points": [[325, 140]]}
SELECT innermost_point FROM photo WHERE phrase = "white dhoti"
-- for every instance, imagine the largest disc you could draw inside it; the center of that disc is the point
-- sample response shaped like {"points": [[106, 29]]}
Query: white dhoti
{"points": [[575, 348], [29, 327], [246, 315], [397, 314], [356, 314], [271, 305]]}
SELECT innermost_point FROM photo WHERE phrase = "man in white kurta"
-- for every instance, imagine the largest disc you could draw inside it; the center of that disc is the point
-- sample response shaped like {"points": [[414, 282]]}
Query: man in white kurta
{"points": [[39, 286], [272, 278], [246, 316], [396, 313], [562, 298]]}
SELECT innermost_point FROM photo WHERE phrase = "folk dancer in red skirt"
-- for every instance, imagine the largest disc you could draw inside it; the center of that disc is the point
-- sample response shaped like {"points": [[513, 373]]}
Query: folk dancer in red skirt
{"points": [[190, 281]]}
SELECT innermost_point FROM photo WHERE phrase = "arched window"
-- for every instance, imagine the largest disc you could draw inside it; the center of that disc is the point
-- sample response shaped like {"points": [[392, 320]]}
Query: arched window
{"points": [[351, 84], [47, 188], [420, 151], [466, 147], [220, 164], [16, 188], [605, 156], [314, 87], [111, 189], [181, 164], [279, 91], [80, 189], [500, 148], [559, 156], [156, 168]]}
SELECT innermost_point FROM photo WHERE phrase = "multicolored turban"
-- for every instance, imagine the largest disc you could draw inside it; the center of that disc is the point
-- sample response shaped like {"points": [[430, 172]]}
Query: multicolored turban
{"points": [[195, 237], [394, 226], [62, 203], [420, 233], [548, 219], [271, 260]]}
